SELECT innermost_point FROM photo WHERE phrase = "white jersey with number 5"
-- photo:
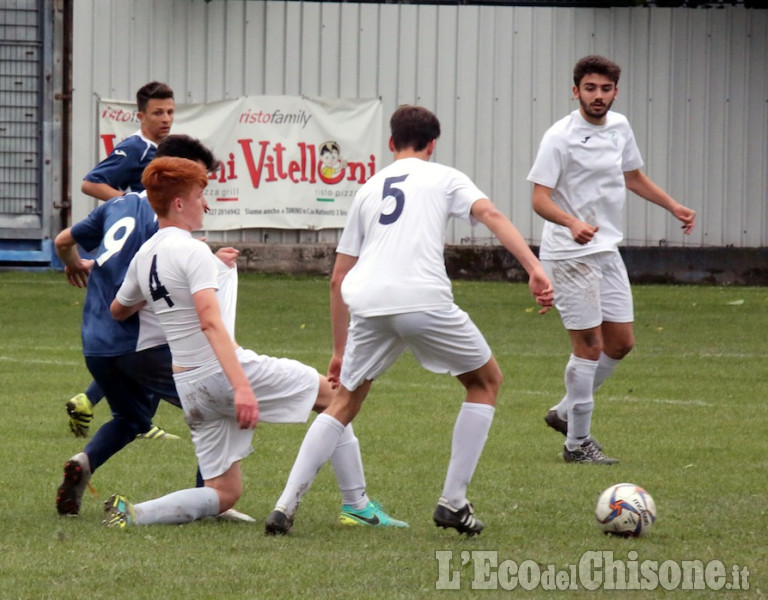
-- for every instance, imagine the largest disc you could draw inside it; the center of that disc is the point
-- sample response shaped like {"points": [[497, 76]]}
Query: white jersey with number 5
{"points": [[396, 228]]}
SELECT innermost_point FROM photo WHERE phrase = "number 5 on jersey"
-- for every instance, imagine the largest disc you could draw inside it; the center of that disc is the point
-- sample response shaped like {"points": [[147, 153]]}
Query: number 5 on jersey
{"points": [[397, 194], [156, 288]]}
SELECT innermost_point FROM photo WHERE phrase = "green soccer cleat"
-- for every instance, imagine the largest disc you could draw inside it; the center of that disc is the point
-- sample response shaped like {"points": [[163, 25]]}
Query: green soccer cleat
{"points": [[118, 512], [157, 433], [370, 516], [80, 411]]}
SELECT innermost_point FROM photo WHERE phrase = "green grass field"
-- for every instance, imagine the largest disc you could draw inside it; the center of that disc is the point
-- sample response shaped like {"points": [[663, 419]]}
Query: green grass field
{"points": [[686, 413]]}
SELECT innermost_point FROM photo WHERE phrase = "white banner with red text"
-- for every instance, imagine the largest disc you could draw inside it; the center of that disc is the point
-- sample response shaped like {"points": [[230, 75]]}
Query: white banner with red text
{"points": [[287, 162]]}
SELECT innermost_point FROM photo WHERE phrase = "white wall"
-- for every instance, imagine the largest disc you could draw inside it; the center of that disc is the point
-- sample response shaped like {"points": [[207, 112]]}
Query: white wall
{"points": [[694, 86]]}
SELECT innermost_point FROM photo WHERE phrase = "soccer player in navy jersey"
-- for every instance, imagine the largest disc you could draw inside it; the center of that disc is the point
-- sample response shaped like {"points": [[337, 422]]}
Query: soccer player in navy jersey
{"points": [[121, 171], [116, 175], [129, 360]]}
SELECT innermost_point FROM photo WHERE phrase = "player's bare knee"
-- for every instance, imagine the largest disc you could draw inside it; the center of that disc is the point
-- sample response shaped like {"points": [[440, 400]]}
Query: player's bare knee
{"points": [[483, 384], [324, 395], [492, 383], [627, 347], [491, 372], [345, 404], [228, 497], [619, 348], [346, 411]]}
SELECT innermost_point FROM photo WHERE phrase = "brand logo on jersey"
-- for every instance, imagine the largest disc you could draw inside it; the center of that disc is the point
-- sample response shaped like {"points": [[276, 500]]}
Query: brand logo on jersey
{"points": [[584, 141], [120, 153]]}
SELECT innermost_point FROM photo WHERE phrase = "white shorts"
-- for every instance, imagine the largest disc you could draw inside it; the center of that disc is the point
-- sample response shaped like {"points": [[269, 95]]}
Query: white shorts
{"points": [[286, 390], [443, 341], [591, 289]]}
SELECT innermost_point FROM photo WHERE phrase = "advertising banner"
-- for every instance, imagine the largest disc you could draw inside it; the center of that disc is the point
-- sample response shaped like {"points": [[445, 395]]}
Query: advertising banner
{"points": [[287, 162]]}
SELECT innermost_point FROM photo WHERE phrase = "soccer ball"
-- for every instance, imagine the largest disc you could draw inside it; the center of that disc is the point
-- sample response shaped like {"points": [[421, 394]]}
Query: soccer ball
{"points": [[625, 509]]}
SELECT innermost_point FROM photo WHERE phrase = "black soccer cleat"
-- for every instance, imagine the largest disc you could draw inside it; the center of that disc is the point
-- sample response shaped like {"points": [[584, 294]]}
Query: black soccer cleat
{"points": [[588, 452], [461, 519], [555, 422], [278, 523]]}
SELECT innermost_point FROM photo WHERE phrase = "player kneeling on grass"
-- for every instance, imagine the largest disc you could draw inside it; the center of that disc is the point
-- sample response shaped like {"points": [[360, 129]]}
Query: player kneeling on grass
{"points": [[129, 361], [390, 277], [225, 390]]}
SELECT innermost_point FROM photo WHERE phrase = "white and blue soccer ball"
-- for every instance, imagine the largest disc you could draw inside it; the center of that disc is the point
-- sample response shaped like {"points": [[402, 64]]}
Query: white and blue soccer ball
{"points": [[625, 509]]}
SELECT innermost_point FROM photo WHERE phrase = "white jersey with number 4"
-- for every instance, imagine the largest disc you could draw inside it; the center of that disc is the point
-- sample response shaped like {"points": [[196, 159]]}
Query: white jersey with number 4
{"points": [[396, 228], [166, 272]]}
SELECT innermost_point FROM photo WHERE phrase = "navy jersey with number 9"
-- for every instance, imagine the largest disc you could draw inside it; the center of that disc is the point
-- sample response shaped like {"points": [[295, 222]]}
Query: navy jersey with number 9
{"points": [[115, 231]]}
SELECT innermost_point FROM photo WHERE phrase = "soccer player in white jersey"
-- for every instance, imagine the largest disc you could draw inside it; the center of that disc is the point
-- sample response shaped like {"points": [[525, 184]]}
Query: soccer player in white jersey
{"points": [[390, 277], [585, 163], [129, 360], [224, 390]]}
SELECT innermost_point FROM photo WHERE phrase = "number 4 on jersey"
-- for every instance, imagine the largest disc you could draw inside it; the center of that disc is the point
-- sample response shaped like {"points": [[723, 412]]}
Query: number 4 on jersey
{"points": [[156, 288]]}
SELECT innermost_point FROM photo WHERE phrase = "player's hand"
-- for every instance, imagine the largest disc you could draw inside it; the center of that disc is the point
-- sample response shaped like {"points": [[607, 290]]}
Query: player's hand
{"points": [[541, 288], [228, 256], [334, 371], [246, 408], [77, 276], [686, 215], [583, 232]]}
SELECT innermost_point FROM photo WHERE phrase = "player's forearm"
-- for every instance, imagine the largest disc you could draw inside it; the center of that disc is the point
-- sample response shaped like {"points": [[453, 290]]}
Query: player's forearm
{"points": [[339, 310], [224, 349], [66, 249], [120, 311], [67, 253], [339, 323], [100, 191], [511, 239], [505, 231], [642, 185], [547, 209]]}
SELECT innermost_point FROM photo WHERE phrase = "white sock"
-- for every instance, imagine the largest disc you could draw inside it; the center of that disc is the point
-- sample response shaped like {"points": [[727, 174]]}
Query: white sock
{"points": [[319, 443], [348, 466], [178, 507], [469, 435], [579, 381], [605, 366]]}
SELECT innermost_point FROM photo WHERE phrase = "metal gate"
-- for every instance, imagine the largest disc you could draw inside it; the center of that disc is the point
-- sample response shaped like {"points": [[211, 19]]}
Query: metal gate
{"points": [[24, 216]]}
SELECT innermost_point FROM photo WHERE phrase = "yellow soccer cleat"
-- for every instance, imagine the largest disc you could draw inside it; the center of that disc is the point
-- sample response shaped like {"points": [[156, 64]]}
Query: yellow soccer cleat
{"points": [[157, 433], [118, 512], [80, 411]]}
